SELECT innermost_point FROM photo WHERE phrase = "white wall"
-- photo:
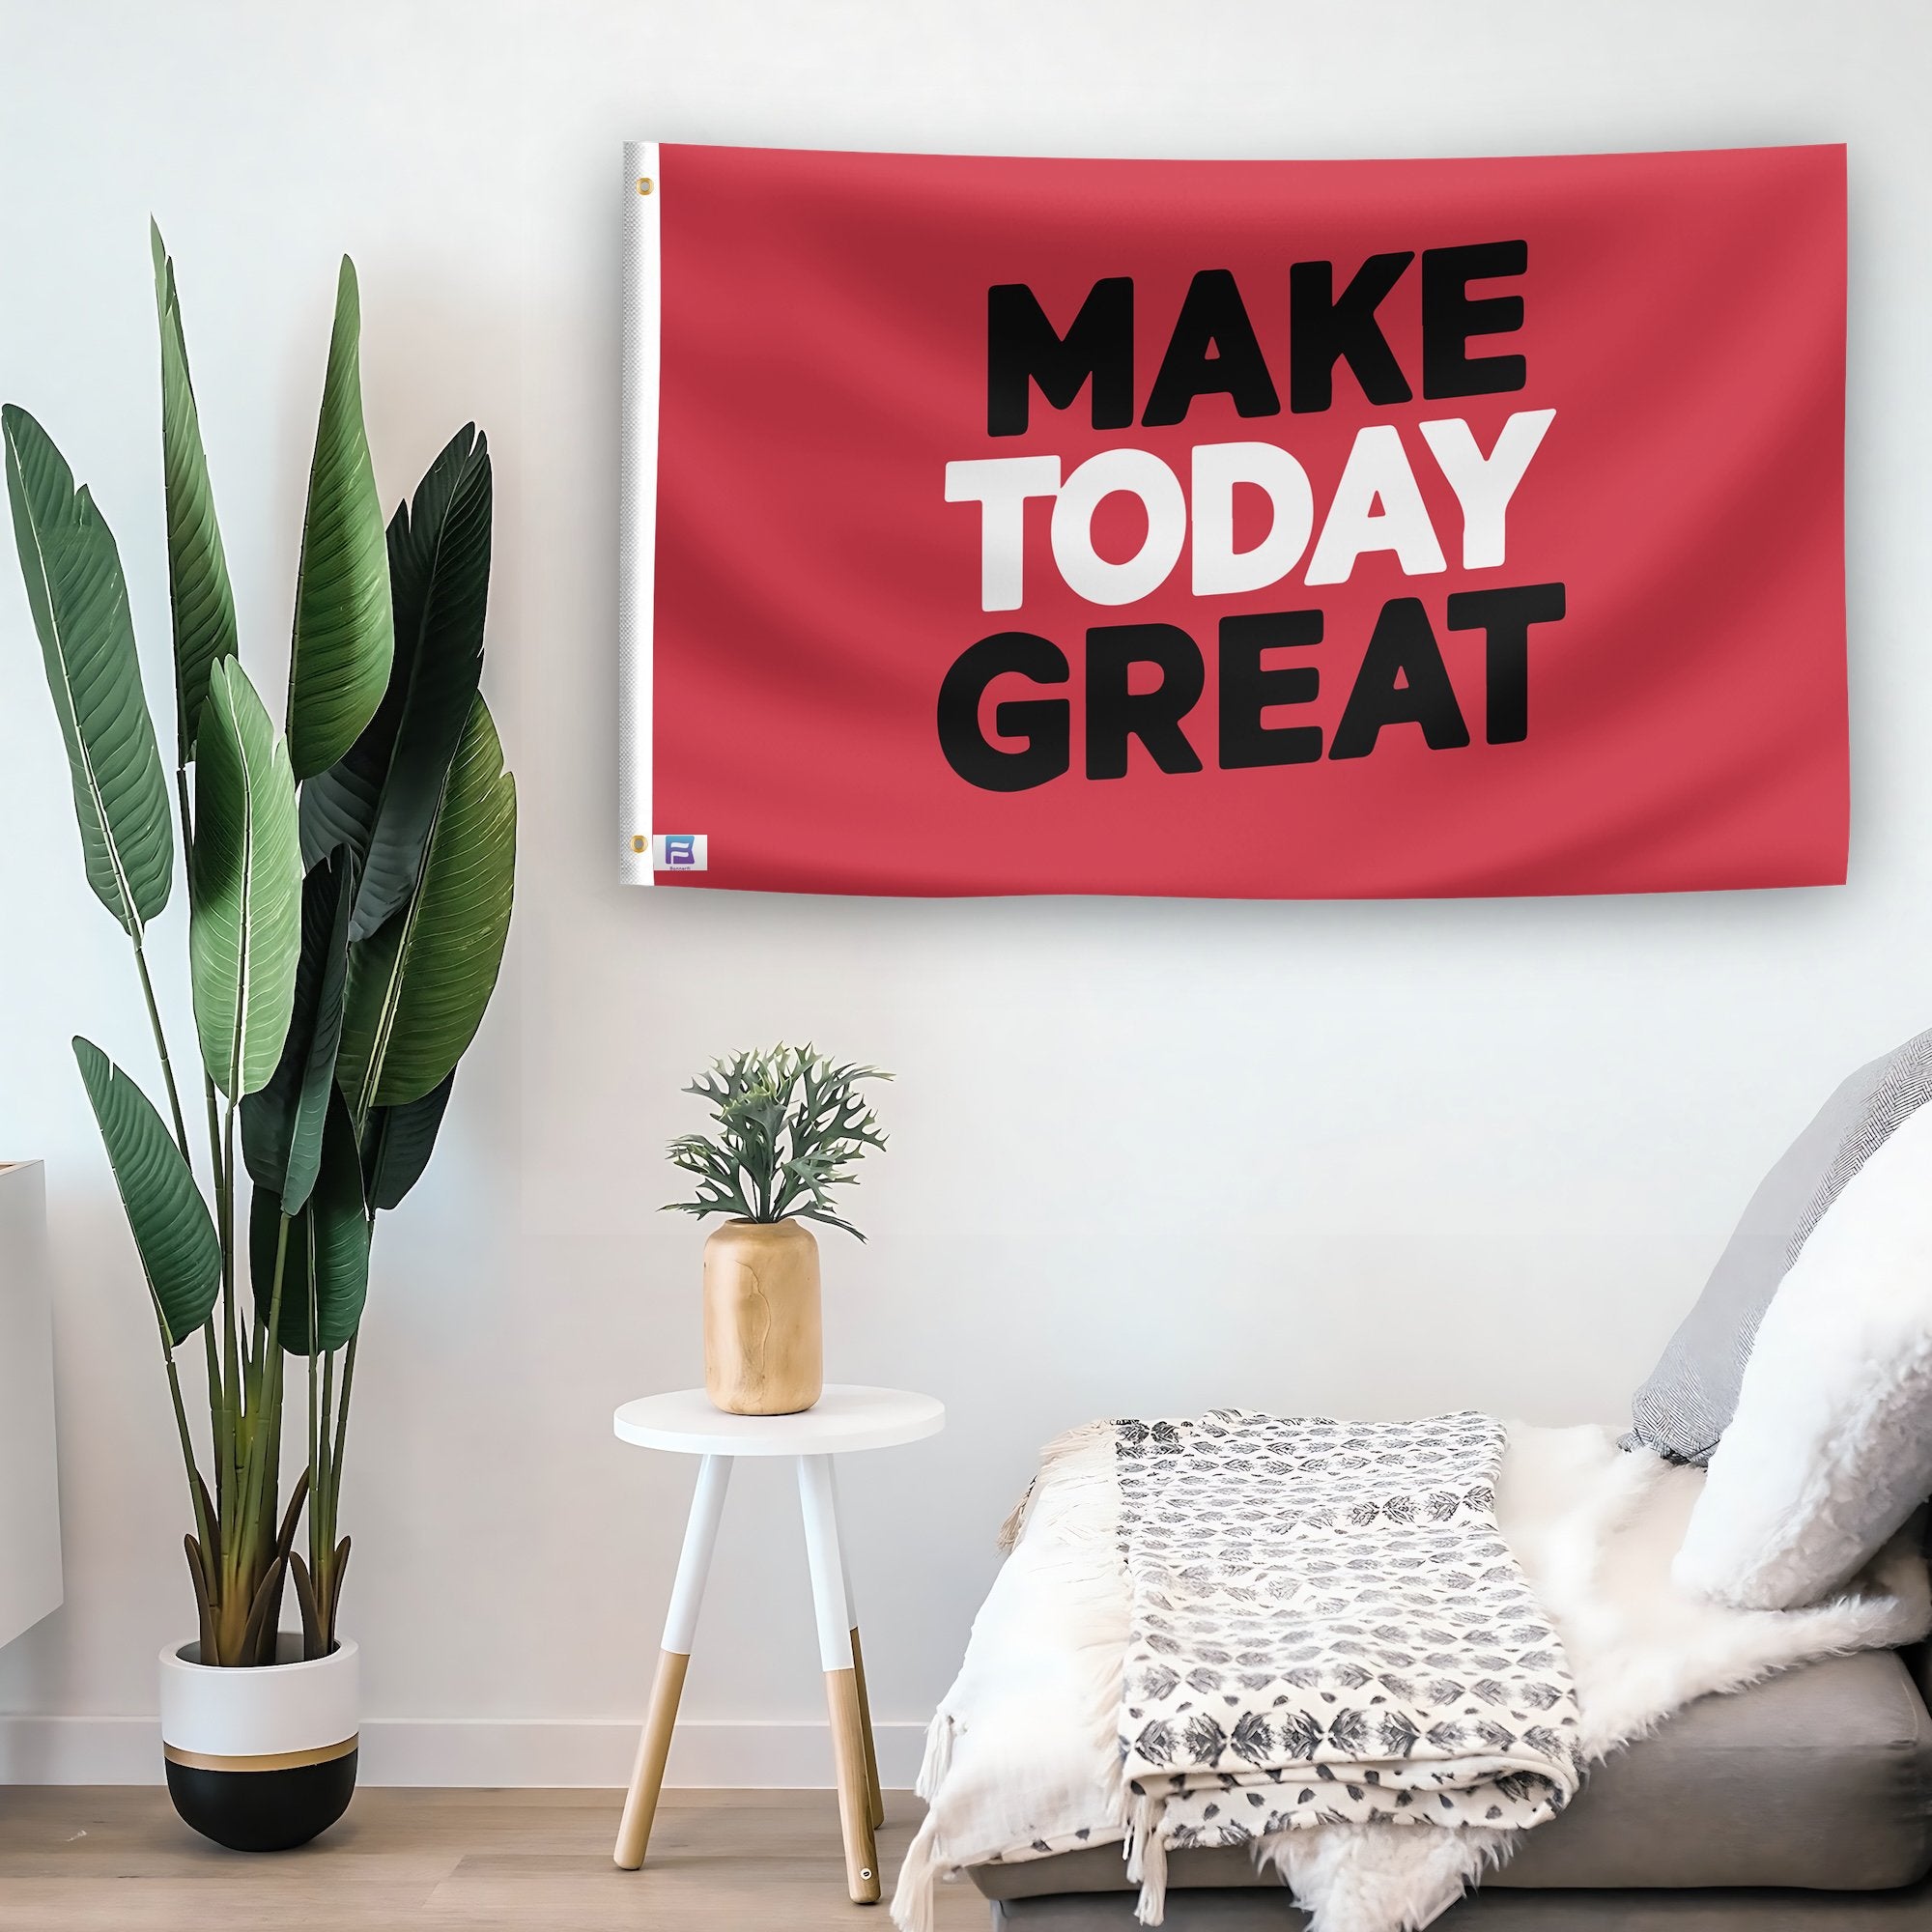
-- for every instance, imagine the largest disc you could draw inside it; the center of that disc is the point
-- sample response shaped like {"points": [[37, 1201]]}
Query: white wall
{"points": [[1148, 1156]]}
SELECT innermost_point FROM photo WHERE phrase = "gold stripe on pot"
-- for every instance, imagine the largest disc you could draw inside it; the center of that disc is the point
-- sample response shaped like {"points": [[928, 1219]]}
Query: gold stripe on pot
{"points": [[268, 1761]]}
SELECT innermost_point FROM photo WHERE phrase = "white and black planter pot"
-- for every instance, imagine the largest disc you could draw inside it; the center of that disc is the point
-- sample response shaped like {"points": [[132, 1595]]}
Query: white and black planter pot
{"points": [[264, 1759]]}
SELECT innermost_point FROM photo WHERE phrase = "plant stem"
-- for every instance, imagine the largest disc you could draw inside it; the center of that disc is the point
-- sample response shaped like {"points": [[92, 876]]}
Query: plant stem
{"points": [[317, 1432], [322, 1526], [243, 1568], [267, 1407], [322, 1518], [342, 1419], [231, 1360], [194, 1487], [220, 1434], [234, 1416], [186, 814], [161, 1047], [203, 1528], [217, 1436]]}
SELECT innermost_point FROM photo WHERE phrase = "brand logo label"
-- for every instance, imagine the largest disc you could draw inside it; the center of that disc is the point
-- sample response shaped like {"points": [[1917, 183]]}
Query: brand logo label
{"points": [[678, 852]]}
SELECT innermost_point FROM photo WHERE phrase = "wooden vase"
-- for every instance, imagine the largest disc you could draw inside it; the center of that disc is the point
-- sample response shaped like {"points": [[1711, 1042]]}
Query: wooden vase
{"points": [[764, 1350]]}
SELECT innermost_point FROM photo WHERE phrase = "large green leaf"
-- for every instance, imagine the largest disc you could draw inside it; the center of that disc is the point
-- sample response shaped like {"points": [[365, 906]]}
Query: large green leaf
{"points": [[281, 1125], [246, 882], [380, 797], [80, 601], [398, 1141], [325, 1264], [173, 1232], [344, 635], [419, 988], [198, 589]]}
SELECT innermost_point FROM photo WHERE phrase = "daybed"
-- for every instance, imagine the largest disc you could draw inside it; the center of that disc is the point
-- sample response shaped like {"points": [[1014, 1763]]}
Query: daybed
{"points": [[1804, 1802]]}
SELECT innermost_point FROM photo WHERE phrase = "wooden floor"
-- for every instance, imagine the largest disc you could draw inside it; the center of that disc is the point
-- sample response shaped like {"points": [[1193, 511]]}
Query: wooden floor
{"points": [[75, 1860]]}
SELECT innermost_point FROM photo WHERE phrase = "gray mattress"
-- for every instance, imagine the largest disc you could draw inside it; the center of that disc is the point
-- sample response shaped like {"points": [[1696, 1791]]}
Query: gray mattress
{"points": [[1252, 1910], [1813, 1791]]}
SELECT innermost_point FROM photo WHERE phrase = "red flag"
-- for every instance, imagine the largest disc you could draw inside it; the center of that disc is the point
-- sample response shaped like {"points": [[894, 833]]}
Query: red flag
{"points": [[1238, 528]]}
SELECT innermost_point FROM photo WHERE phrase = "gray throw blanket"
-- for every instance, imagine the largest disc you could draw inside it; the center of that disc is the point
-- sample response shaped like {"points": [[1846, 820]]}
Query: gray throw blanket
{"points": [[1327, 1627]]}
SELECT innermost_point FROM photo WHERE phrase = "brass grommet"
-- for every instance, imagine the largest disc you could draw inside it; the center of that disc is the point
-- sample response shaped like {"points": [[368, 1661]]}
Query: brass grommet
{"points": [[639, 842], [644, 184]]}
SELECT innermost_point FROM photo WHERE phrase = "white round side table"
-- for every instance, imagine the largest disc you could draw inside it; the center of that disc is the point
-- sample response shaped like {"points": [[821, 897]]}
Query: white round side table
{"points": [[845, 1418]]}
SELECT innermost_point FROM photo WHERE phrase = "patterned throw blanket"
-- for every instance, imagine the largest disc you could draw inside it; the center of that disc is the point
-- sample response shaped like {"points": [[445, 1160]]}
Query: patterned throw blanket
{"points": [[1326, 1627]]}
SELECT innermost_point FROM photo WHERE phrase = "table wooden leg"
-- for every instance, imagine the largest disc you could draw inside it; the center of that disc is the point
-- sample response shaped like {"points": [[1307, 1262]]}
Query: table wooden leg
{"points": [[876, 1797], [855, 1806], [640, 1801], [819, 1509], [693, 1563]]}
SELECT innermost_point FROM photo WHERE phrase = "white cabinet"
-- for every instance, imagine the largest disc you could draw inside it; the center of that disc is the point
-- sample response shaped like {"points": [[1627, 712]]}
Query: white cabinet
{"points": [[30, 1559]]}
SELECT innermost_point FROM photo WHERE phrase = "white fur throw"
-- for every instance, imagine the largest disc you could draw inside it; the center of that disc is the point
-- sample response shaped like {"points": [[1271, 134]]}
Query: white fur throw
{"points": [[1023, 1755], [1830, 1448]]}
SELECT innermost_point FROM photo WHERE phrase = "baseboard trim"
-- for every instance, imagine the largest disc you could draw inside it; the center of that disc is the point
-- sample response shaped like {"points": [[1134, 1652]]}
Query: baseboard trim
{"points": [[488, 1752]]}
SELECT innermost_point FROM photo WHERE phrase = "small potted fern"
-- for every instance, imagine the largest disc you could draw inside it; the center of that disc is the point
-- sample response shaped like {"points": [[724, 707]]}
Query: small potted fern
{"points": [[791, 1126]]}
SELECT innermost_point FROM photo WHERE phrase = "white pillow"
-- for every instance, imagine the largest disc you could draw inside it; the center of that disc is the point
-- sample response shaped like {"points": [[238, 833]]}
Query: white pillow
{"points": [[1830, 1448]]}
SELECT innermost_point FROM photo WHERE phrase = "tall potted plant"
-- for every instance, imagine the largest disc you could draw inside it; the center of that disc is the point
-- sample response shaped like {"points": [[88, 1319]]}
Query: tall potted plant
{"points": [[348, 883]]}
